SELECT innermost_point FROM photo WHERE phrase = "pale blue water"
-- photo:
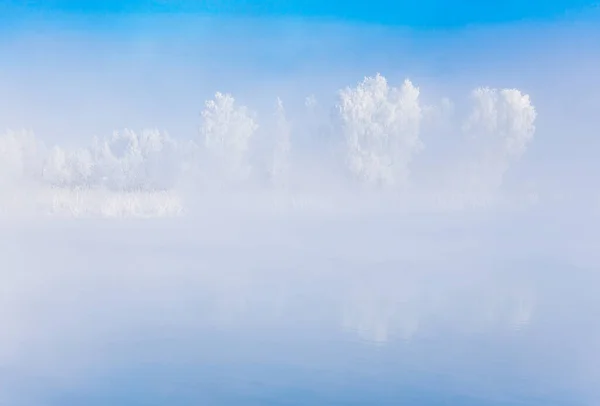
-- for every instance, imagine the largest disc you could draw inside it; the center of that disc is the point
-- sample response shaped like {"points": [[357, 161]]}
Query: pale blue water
{"points": [[289, 314]]}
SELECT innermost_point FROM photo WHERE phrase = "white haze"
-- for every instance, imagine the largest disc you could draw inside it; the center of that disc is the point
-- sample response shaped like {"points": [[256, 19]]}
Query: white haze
{"points": [[371, 139], [424, 143], [197, 209]]}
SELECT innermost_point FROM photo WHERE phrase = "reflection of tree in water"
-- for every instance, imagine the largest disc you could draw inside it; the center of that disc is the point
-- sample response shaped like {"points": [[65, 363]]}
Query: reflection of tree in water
{"points": [[402, 306], [378, 311], [241, 297], [377, 305]]}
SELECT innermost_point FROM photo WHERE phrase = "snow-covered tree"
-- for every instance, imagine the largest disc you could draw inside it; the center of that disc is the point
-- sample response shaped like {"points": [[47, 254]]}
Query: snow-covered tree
{"points": [[68, 168], [227, 130], [381, 129], [281, 154], [19, 156], [502, 123]]}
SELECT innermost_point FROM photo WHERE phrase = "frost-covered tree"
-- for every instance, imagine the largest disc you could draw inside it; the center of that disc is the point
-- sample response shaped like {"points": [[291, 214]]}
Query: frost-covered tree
{"points": [[281, 154], [68, 168], [506, 116], [502, 122], [381, 129], [144, 161], [227, 130], [127, 160], [19, 157]]}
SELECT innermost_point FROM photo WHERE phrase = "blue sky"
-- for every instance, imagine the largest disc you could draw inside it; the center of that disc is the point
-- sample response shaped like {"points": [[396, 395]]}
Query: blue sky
{"points": [[416, 14]]}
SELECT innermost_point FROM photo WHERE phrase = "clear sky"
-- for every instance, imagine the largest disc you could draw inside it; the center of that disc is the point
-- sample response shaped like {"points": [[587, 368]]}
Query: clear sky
{"points": [[415, 14]]}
